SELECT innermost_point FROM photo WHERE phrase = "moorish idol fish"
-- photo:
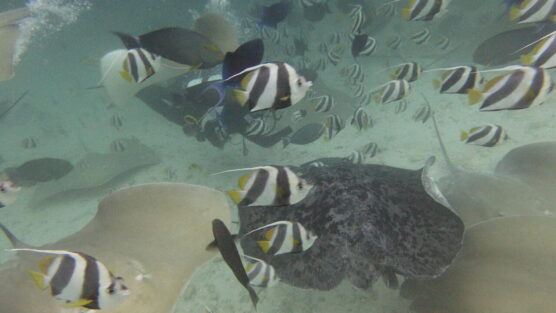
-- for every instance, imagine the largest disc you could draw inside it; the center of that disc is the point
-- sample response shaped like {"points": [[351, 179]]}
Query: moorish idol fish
{"points": [[271, 185], [393, 90], [407, 71], [534, 11], [138, 65], [360, 119], [284, 237], [78, 279], [260, 273], [523, 87], [333, 124], [423, 10], [487, 136], [459, 79], [363, 45]]}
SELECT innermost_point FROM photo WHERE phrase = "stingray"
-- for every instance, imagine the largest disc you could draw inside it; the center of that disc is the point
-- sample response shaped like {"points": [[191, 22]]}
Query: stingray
{"points": [[157, 232], [372, 221], [38, 170], [506, 265], [96, 170], [9, 35]]}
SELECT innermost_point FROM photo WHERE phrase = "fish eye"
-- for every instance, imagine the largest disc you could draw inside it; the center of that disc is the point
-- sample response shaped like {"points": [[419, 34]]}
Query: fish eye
{"points": [[299, 82], [299, 186], [111, 290]]}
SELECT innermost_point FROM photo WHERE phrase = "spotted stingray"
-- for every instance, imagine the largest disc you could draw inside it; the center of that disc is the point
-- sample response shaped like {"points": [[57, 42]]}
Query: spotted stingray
{"points": [[372, 221]]}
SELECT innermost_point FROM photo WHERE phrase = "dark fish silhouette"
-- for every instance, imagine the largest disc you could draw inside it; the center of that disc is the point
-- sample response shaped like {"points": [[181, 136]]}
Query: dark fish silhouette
{"points": [[275, 13], [305, 135]]}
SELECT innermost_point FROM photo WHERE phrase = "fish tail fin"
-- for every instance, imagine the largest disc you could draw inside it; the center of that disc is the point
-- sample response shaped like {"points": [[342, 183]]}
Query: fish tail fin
{"points": [[463, 135], [129, 41], [16, 243], [39, 279], [235, 195], [474, 96], [514, 13], [405, 13]]}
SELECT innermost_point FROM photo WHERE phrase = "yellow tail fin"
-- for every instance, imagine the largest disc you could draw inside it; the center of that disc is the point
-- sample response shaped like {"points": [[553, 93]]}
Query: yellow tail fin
{"points": [[474, 96], [406, 13], [79, 303], [463, 135], [527, 59], [126, 76], [235, 195], [241, 96], [514, 13], [39, 279]]}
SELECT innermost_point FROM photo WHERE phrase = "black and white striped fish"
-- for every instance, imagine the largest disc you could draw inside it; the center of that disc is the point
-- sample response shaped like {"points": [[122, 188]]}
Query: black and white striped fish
{"points": [[421, 37], [366, 99], [299, 115], [443, 43], [354, 73], [408, 71], [487, 136], [423, 10], [270, 86], [260, 273], [78, 279], [534, 11], [422, 114], [395, 43], [361, 120], [363, 45], [269, 185], [369, 150], [523, 87], [8, 192], [459, 79], [359, 91], [356, 157], [139, 64], [334, 55], [358, 18], [401, 107], [333, 124], [323, 103], [543, 54], [393, 90], [284, 237]]}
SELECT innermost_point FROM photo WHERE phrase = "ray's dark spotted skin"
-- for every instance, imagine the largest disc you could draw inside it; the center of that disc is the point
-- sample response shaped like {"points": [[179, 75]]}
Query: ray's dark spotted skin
{"points": [[371, 221]]}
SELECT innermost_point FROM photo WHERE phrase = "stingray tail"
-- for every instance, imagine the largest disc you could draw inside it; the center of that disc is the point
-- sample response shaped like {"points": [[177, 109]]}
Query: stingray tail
{"points": [[451, 165], [16, 243]]}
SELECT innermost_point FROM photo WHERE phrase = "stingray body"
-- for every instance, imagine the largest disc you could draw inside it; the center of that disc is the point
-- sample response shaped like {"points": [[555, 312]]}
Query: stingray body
{"points": [[371, 221], [506, 265], [157, 232]]}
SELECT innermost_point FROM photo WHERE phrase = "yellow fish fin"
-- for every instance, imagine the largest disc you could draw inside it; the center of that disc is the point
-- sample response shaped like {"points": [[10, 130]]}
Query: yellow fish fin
{"points": [[246, 79], [265, 245], [406, 13], [194, 67], [249, 267], [241, 96], [285, 98], [38, 278], [295, 242], [235, 195], [126, 76], [268, 235], [243, 180], [514, 13], [212, 48], [44, 264], [493, 82], [527, 59], [474, 96], [463, 135], [436, 83], [79, 303]]}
